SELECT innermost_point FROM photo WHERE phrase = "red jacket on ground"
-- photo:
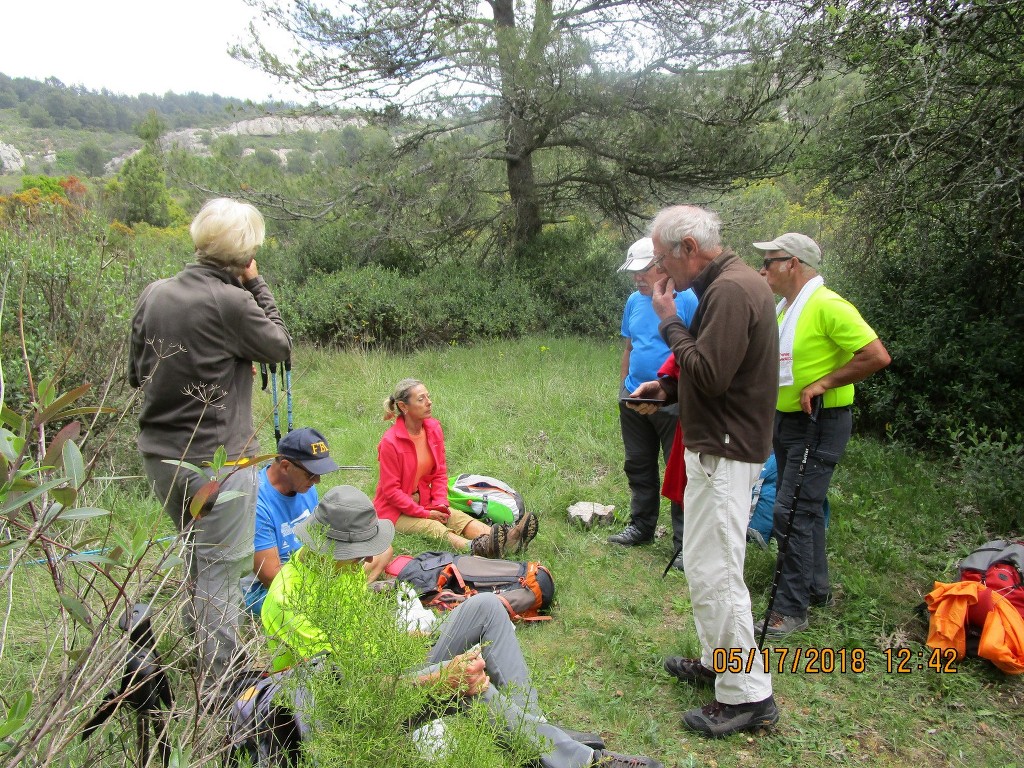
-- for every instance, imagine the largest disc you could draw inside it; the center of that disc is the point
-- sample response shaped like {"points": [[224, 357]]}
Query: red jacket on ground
{"points": [[396, 456]]}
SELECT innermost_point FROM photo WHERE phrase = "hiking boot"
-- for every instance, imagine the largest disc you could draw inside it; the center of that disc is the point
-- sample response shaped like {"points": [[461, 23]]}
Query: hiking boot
{"points": [[677, 563], [592, 740], [717, 719], [606, 759], [522, 533], [630, 536], [689, 671], [780, 626], [491, 544], [827, 601]]}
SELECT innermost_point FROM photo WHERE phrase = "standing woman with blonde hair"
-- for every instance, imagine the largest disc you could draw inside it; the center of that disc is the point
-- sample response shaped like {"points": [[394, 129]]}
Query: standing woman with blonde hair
{"points": [[194, 339], [413, 488]]}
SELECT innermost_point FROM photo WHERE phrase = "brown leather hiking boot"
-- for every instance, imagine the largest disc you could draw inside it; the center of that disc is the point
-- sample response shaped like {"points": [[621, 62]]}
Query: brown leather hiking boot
{"points": [[522, 533], [492, 545], [717, 719]]}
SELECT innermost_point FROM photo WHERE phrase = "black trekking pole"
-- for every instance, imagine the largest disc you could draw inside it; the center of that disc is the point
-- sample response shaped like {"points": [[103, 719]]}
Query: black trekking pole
{"points": [[276, 404], [671, 560], [287, 373], [812, 428]]}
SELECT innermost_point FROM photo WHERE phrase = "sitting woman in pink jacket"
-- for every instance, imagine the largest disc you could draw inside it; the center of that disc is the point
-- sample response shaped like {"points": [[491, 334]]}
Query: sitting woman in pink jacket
{"points": [[413, 488]]}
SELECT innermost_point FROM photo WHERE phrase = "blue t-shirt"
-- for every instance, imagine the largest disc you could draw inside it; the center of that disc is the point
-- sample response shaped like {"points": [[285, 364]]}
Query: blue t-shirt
{"points": [[276, 514], [640, 325]]}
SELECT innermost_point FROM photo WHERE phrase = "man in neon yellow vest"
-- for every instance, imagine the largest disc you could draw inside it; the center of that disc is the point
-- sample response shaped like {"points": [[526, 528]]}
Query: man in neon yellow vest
{"points": [[824, 348]]}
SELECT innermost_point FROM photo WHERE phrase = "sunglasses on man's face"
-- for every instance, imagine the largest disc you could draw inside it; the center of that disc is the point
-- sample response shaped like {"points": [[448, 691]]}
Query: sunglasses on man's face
{"points": [[773, 259], [309, 475]]}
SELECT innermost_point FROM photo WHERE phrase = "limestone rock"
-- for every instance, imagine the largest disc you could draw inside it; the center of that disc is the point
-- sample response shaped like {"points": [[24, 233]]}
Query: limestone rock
{"points": [[197, 141], [11, 160], [590, 513], [115, 165], [276, 125]]}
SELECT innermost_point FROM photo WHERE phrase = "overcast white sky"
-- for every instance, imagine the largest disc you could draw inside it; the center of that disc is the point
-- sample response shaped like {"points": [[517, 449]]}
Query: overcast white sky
{"points": [[134, 46]]}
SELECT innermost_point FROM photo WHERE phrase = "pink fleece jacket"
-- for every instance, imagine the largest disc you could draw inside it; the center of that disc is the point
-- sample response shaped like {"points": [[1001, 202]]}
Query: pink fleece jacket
{"points": [[396, 456]]}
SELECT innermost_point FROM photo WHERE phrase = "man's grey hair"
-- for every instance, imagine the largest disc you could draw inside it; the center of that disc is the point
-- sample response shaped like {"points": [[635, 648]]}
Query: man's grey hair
{"points": [[227, 233], [673, 225]]}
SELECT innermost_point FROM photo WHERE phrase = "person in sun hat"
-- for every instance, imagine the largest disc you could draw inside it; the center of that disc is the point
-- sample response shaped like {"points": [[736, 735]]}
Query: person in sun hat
{"points": [[288, 495], [645, 436], [341, 534], [825, 347]]}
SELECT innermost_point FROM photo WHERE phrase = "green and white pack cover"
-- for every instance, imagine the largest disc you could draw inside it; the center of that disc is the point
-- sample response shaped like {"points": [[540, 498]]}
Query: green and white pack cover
{"points": [[485, 498]]}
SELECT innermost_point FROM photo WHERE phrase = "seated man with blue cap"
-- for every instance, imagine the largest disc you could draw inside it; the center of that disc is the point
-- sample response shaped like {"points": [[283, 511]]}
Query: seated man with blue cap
{"points": [[287, 495]]}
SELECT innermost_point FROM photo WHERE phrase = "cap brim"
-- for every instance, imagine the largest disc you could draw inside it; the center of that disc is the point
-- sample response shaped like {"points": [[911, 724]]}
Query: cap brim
{"points": [[636, 265], [343, 550], [320, 466], [769, 246]]}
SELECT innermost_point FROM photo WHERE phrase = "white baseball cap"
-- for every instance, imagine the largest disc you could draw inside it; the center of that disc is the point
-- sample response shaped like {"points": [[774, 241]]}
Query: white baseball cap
{"points": [[639, 256]]}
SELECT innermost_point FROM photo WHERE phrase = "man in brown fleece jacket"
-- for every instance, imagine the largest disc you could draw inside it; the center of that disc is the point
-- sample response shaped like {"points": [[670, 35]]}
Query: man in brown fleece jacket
{"points": [[727, 389]]}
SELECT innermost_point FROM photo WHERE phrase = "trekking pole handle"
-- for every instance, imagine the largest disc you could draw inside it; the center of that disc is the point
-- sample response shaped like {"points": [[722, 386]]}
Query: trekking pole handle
{"points": [[816, 402]]}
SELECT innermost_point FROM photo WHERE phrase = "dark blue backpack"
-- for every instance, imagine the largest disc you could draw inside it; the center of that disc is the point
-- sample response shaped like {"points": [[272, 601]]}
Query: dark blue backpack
{"points": [[443, 580]]}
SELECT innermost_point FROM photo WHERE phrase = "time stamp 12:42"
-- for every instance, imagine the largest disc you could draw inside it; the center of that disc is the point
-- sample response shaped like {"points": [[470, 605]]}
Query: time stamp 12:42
{"points": [[827, 661]]}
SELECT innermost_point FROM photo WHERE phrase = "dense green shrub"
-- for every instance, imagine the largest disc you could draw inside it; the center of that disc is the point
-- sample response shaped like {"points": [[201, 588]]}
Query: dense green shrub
{"points": [[70, 285], [374, 306], [991, 463], [953, 321], [565, 284], [571, 272], [366, 722]]}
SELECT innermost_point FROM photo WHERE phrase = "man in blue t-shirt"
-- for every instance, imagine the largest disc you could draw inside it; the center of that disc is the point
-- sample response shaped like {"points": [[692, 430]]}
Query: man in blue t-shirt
{"points": [[644, 437], [287, 495]]}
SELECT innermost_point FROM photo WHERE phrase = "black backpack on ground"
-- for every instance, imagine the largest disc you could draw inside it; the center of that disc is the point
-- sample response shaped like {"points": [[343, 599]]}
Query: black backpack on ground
{"points": [[266, 728], [443, 580]]}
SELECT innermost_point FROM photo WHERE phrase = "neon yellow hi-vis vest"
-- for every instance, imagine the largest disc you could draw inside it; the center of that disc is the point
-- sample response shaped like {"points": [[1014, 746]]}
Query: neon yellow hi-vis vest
{"points": [[291, 636], [829, 331]]}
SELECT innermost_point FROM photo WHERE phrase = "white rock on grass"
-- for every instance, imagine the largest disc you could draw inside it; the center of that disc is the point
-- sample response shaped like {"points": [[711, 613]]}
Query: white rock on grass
{"points": [[590, 513]]}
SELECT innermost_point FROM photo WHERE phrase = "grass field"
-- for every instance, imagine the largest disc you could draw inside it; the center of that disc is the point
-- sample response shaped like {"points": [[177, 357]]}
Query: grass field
{"points": [[540, 414]]}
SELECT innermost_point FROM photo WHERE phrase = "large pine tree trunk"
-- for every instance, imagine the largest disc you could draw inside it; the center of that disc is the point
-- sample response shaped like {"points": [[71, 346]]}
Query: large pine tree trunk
{"points": [[522, 188]]}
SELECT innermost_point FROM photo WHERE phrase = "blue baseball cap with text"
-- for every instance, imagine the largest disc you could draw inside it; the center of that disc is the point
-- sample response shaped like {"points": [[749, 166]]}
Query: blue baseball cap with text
{"points": [[308, 448]]}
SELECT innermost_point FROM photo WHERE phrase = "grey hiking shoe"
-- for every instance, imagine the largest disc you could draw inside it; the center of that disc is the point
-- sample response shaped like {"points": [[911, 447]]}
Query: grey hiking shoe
{"points": [[754, 535], [717, 719], [780, 626], [491, 544], [606, 759], [630, 536], [689, 671], [522, 533]]}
